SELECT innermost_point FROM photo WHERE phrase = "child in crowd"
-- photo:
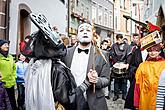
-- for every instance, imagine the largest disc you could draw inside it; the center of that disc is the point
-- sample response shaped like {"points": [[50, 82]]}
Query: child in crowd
{"points": [[21, 66]]}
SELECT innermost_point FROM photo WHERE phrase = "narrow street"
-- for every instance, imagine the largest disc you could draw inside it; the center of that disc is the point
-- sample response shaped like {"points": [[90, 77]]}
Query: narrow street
{"points": [[118, 104], [78, 51], [115, 105]]}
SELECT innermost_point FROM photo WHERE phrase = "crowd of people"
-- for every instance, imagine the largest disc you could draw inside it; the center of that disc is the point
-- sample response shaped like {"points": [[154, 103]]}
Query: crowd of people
{"points": [[92, 69]]}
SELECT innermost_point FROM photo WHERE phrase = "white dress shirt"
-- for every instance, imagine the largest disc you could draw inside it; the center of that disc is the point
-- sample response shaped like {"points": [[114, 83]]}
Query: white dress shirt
{"points": [[144, 54], [79, 65]]}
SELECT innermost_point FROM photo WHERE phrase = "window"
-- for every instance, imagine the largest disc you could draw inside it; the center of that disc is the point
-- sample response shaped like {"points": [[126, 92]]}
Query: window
{"points": [[116, 22], [127, 25], [94, 14], [100, 15], [136, 10], [105, 18], [147, 2], [111, 21], [77, 2], [72, 5], [87, 13], [82, 9], [122, 3]]}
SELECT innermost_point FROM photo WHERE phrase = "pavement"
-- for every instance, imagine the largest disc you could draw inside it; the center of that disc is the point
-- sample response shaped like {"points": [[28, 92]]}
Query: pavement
{"points": [[116, 105], [112, 105], [119, 103]]}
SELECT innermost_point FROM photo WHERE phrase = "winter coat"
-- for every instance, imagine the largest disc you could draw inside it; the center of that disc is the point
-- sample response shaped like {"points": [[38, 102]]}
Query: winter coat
{"points": [[21, 67], [4, 100], [8, 70]]}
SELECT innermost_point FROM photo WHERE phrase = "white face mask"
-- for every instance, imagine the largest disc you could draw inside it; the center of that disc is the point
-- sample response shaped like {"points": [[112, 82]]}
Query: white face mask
{"points": [[85, 33]]}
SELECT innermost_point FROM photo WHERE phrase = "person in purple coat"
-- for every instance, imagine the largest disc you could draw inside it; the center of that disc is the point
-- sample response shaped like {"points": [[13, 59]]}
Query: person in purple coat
{"points": [[4, 99]]}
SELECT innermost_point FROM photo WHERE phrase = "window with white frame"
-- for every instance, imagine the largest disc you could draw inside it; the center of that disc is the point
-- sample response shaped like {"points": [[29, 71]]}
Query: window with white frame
{"points": [[122, 3], [82, 9], [87, 13], [94, 14], [116, 22], [111, 21], [100, 16], [105, 19], [127, 24], [108, 25]]}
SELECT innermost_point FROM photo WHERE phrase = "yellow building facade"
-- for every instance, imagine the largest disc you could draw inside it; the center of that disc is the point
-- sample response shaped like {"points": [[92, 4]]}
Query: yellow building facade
{"points": [[121, 25]]}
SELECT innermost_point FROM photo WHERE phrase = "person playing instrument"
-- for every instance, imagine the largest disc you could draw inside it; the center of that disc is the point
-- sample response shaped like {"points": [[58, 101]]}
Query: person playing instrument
{"points": [[120, 52], [80, 59], [147, 77]]}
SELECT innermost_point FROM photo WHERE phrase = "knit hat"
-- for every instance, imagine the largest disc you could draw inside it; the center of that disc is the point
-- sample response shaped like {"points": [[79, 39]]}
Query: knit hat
{"points": [[2, 41]]}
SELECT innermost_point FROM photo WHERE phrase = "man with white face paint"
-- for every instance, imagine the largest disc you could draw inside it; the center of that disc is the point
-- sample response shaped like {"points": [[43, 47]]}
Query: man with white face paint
{"points": [[85, 34], [79, 59]]}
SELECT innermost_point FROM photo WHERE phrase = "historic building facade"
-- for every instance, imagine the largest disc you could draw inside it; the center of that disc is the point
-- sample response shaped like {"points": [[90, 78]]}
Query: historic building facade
{"points": [[103, 18], [154, 11], [121, 25], [15, 23], [79, 11]]}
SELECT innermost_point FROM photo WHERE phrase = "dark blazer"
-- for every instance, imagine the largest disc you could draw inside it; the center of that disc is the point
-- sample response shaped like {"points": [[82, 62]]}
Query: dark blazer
{"points": [[136, 59], [96, 101]]}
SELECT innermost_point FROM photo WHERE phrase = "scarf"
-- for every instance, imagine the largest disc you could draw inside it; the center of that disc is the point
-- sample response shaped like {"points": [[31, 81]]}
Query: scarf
{"points": [[38, 89], [159, 58], [4, 53]]}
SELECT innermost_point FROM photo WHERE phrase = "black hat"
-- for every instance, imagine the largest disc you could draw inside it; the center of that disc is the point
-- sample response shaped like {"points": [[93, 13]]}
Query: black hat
{"points": [[2, 41]]}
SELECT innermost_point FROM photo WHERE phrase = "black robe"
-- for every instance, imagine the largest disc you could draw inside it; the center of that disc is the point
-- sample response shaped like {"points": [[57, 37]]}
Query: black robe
{"points": [[136, 59]]}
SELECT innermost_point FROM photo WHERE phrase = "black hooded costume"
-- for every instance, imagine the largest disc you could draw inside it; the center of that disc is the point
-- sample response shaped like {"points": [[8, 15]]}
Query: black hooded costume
{"points": [[47, 79]]}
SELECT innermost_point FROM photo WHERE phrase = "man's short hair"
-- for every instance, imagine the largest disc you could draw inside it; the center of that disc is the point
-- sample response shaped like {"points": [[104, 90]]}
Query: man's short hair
{"points": [[104, 41], [135, 34], [119, 36]]}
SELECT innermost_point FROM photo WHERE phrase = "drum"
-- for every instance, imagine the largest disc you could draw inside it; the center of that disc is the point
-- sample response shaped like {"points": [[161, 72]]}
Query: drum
{"points": [[119, 70]]}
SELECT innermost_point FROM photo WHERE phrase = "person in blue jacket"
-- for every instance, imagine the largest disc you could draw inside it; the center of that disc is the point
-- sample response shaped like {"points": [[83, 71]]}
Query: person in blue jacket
{"points": [[21, 67]]}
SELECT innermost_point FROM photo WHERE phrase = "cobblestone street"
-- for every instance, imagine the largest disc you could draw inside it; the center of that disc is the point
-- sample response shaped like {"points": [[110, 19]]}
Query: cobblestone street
{"points": [[115, 105], [118, 104]]}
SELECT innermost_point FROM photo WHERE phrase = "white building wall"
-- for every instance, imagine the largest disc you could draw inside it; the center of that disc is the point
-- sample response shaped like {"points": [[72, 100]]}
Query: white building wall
{"points": [[54, 10], [151, 10]]}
